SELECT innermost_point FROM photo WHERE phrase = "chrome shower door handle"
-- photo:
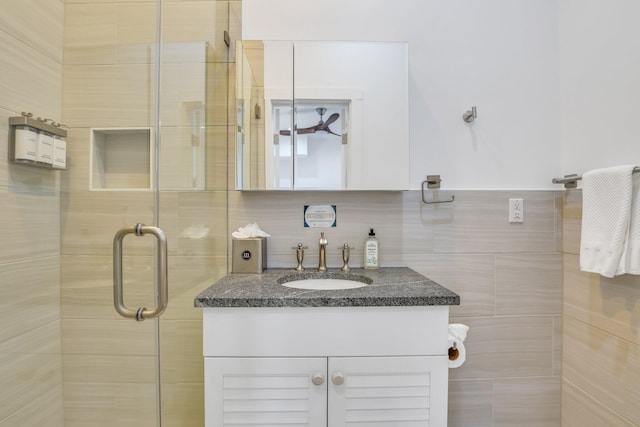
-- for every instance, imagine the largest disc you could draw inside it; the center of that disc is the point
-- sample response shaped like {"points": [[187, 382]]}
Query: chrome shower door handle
{"points": [[162, 284]]}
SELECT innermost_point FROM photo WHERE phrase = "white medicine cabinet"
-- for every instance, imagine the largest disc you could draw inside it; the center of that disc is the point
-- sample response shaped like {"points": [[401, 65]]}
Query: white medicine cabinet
{"points": [[322, 115]]}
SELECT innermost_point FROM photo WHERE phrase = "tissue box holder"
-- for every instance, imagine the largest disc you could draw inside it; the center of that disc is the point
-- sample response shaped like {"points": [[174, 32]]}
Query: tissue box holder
{"points": [[249, 255]]}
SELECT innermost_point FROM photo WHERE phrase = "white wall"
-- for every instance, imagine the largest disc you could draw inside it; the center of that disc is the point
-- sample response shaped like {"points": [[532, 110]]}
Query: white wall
{"points": [[500, 55], [599, 45]]}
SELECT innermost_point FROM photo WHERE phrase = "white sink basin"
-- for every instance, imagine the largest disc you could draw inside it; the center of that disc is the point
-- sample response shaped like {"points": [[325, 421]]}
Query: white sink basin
{"points": [[325, 284]]}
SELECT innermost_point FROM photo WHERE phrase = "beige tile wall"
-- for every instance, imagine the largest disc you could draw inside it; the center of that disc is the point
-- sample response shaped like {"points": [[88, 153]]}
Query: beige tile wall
{"points": [[509, 277], [30, 360], [601, 352], [110, 367]]}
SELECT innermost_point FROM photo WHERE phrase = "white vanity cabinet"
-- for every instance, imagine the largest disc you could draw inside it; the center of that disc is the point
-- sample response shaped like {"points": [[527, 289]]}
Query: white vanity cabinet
{"points": [[326, 366], [321, 392], [272, 391]]}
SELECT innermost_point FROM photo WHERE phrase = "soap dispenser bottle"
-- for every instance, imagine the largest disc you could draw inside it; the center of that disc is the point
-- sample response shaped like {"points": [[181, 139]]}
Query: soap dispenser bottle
{"points": [[371, 260]]}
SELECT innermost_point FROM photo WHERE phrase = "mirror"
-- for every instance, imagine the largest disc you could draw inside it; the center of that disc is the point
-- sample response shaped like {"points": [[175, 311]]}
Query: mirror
{"points": [[322, 115]]}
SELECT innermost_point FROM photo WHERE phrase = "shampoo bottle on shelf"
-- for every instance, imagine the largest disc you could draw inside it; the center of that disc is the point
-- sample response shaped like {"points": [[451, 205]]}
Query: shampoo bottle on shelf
{"points": [[371, 259]]}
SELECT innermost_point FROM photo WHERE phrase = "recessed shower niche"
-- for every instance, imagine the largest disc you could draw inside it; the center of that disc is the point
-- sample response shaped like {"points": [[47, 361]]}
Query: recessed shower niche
{"points": [[121, 159]]}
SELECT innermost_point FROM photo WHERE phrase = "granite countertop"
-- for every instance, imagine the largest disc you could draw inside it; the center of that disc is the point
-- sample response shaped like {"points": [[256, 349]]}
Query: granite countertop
{"points": [[390, 286]]}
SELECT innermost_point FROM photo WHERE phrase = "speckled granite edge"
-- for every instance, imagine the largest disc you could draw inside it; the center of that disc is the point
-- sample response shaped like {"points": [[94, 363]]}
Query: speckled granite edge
{"points": [[392, 286]]}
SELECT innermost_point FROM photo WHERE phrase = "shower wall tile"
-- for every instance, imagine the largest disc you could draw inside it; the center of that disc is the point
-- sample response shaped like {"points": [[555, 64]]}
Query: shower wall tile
{"points": [[527, 284], [87, 285], [506, 346], [103, 368], [601, 343], [177, 167], [31, 371], [478, 222], [572, 221], [472, 276], [196, 20], [559, 222], [579, 409], [183, 161], [91, 219], [418, 221], [44, 339], [46, 16], [91, 31], [183, 91], [609, 304], [45, 410], [30, 296], [535, 401], [31, 81], [218, 111], [31, 223], [557, 346], [26, 377], [219, 149], [202, 218], [604, 366], [183, 404], [31, 377], [103, 405], [106, 1], [182, 360], [470, 403], [188, 276], [116, 336], [76, 177], [231, 100], [136, 23], [235, 26], [108, 96]]}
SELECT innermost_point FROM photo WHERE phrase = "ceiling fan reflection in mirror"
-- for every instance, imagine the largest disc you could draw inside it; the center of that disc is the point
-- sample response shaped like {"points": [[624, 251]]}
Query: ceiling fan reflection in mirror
{"points": [[322, 126]]}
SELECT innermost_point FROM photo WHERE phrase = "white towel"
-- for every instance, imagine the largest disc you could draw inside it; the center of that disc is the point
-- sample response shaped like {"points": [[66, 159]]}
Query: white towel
{"points": [[630, 259], [606, 213]]}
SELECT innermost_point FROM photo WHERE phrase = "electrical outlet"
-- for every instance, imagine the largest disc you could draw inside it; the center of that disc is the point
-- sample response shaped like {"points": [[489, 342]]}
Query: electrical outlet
{"points": [[516, 210]]}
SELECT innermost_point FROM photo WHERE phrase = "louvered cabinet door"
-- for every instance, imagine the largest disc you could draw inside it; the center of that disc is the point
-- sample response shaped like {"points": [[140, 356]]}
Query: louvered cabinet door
{"points": [[388, 391], [265, 391]]}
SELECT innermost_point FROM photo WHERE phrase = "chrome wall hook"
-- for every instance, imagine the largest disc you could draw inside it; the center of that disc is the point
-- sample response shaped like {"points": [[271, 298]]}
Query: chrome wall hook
{"points": [[470, 115]]}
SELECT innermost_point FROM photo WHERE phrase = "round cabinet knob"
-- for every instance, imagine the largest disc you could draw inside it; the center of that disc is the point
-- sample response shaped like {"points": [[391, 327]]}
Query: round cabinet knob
{"points": [[338, 378], [317, 379]]}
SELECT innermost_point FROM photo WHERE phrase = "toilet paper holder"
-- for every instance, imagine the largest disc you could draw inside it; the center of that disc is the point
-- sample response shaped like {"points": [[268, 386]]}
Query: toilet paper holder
{"points": [[454, 353]]}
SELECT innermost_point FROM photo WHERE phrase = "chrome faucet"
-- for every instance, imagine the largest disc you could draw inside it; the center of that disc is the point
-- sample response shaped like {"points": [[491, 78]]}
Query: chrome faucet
{"points": [[323, 242]]}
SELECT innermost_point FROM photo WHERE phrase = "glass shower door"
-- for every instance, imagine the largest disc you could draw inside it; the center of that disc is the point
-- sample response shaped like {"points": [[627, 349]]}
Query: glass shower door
{"points": [[145, 86], [194, 111]]}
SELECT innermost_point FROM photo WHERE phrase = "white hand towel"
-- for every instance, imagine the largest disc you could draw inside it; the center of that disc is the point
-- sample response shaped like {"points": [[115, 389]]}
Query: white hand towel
{"points": [[630, 259], [606, 212]]}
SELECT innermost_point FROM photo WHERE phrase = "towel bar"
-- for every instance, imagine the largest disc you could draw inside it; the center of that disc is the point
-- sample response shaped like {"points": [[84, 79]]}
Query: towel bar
{"points": [[571, 181]]}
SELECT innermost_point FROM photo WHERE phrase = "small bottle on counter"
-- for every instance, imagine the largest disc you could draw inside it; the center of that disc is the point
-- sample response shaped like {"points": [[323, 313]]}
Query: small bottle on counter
{"points": [[371, 260]]}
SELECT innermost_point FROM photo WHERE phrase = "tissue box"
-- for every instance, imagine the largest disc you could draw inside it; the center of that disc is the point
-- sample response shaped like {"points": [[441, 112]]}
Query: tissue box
{"points": [[249, 255]]}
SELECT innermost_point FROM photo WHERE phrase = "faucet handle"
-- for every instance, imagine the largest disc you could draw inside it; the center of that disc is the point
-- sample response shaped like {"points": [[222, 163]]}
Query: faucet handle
{"points": [[299, 256], [323, 240], [346, 252]]}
